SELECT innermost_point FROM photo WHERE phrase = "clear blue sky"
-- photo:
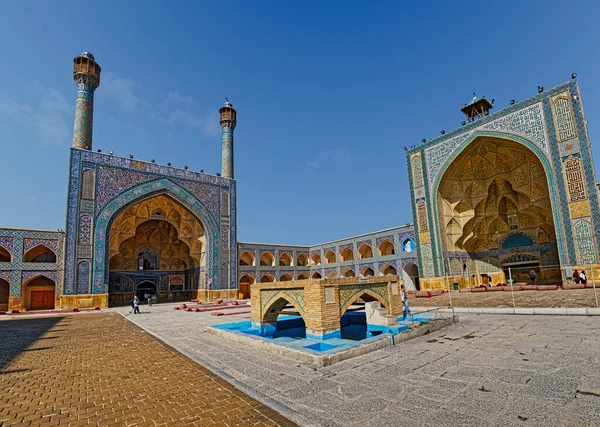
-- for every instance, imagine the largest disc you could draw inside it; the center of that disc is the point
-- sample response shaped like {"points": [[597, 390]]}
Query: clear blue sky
{"points": [[328, 93]]}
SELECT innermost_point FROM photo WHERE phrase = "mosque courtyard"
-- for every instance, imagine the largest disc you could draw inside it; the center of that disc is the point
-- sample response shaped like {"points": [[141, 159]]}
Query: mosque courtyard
{"points": [[163, 368]]}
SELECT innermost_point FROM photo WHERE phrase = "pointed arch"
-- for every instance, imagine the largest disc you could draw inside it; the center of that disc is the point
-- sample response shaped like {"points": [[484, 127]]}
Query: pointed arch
{"points": [[366, 295], [317, 275], [285, 260], [38, 293], [303, 276], [40, 253], [349, 273], [330, 257], [386, 248], [267, 278], [246, 281], [331, 274], [4, 294], [315, 259], [365, 251], [276, 304], [140, 193], [247, 258], [302, 260], [267, 259], [388, 270], [287, 277], [346, 255], [367, 272], [5, 256]]}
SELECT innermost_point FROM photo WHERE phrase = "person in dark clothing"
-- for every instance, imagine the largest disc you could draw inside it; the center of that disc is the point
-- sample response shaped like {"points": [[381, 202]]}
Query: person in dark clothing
{"points": [[136, 305]]}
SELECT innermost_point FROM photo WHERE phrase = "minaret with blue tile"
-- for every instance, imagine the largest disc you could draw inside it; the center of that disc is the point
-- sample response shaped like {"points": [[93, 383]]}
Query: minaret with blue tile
{"points": [[86, 73], [228, 120]]}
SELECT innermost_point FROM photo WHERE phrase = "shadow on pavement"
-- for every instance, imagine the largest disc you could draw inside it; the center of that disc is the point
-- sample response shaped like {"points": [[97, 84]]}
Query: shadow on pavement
{"points": [[16, 336]]}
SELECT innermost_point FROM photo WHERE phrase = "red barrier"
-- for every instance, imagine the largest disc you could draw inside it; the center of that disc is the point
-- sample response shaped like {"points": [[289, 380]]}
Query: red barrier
{"points": [[547, 287]]}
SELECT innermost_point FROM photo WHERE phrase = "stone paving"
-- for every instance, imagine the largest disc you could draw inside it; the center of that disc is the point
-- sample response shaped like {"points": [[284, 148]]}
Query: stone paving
{"points": [[99, 369], [558, 298], [484, 371]]}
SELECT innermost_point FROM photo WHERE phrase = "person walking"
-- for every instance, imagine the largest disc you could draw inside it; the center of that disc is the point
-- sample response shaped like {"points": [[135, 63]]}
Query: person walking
{"points": [[131, 304], [136, 305], [583, 277], [406, 310], [150, 299], [532, 276]]}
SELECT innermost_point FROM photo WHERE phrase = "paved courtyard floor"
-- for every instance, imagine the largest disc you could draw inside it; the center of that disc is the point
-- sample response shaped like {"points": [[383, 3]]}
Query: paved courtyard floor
{"points": [[558, 298], [99, 369], [484, 371]]}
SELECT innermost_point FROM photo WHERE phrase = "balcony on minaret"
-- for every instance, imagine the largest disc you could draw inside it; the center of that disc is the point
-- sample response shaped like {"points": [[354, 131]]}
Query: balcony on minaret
{"points": [[477, 108]]}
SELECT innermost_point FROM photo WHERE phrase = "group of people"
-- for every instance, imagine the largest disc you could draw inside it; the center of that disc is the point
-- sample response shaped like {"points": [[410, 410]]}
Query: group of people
{"points": [[135, 303], [579, 277]]}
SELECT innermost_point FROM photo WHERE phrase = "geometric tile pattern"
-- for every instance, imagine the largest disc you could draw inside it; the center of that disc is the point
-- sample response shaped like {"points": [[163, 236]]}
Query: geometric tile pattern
{"points": [[227, 152], [580, 209], [7, 243], [349, 292], [84, 116], [296, 295], [585, 242], [552, 125], [31, 243]]}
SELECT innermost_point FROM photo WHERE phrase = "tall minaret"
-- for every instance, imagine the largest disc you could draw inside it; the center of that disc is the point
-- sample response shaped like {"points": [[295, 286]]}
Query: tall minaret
{"points": [[228, 121], [86, 73]]}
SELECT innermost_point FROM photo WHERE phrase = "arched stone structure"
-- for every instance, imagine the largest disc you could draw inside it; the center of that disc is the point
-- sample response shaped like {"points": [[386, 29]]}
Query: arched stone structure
{"points": [[410, 275], [247, 258], [388, 270], [246, 281], [267, 259], [349, 273], [38, 293], [367, 272], [286, 277], [316, 275], [285, 260], [346, 255], [266, 278], [5, 256], [302, 260], [330, 257], [4, 294], [365, 295], [315, 259], [276, 304], [494, 195], [386, 248], [331, 275], [40, 253], [140, 193], [365, 251]]}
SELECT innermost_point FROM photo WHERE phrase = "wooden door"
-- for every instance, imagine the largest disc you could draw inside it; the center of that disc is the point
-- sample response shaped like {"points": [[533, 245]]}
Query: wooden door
{"points": [[245, 290], [40, 300]]}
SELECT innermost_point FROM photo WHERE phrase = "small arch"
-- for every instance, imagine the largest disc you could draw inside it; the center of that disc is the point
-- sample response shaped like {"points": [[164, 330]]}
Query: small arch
{"points": [[410, 275], [317, 275], [303, 276], [347, 255], [145, 288], [331, 275], [285, 260], [408, 245], [330, 257], [286, 277], [366, 295], [386, 248], [38, 293], [367, 272], [247, 258], [246, 281], [316, 259], [147, 260], [267, 259], [4, 294], [266, 278], [349, 273], [5, 256], [274, 307], [40, 253], [302, 260], [389, 270], [365, 251]]}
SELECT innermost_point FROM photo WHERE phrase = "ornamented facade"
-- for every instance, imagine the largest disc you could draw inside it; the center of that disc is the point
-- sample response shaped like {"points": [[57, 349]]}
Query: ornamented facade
{"points": [[511, 189]]}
